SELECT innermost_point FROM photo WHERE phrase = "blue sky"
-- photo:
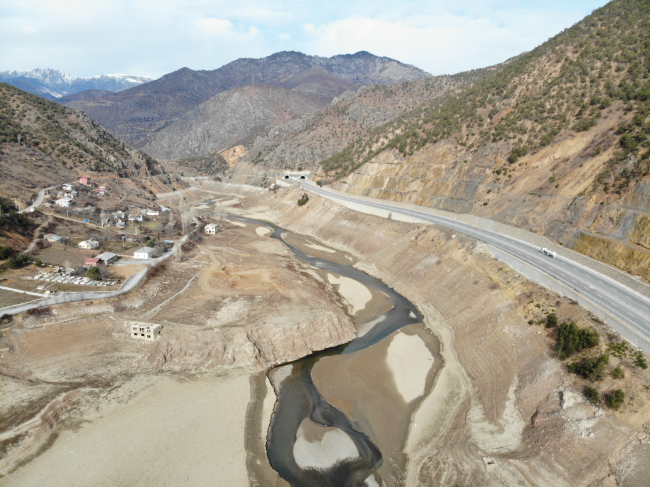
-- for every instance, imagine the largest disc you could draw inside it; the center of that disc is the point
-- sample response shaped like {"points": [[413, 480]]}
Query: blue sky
{"points": [[155, 37]]}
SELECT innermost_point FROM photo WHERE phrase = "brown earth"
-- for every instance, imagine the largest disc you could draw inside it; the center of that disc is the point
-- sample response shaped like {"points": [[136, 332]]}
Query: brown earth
{"points": [[502, 395]]}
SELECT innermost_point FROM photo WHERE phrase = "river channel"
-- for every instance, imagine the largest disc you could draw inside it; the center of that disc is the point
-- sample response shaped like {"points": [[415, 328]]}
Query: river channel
{"points": [[313, 442]]}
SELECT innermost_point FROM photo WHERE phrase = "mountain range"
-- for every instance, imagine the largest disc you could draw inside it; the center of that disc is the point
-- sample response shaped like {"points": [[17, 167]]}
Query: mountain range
{"points": [[138, 112], [54, 84]]}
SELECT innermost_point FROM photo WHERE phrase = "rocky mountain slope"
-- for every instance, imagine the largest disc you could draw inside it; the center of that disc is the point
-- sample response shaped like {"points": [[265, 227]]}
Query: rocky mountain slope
{"points": [[44, 143], [54, 84], [555, 142], [227, 118], [136, 113], [304, 143]]}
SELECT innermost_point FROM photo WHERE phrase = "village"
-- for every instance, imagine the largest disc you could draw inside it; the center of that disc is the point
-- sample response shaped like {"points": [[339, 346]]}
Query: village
{"points": [[88, 235]]}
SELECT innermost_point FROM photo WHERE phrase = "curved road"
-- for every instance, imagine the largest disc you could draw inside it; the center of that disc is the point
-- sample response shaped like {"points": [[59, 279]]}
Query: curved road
{"points": [[630, 306]]}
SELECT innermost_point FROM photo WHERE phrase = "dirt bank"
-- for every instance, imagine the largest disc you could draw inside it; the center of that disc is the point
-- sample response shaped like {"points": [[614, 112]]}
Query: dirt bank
{"points": [[497, 414]]}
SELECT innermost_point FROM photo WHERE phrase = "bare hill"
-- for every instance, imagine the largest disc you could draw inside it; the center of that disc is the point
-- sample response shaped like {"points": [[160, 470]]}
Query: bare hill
{"points": [[227, 118], [44, 143], [136, 113]]}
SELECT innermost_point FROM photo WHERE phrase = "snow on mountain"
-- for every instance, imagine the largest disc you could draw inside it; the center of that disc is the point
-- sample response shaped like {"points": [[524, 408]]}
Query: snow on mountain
{"points": [[54, 84]]}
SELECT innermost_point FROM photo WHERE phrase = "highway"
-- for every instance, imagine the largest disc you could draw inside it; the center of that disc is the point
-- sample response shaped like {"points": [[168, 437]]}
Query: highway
{"points": [[625, 303]]}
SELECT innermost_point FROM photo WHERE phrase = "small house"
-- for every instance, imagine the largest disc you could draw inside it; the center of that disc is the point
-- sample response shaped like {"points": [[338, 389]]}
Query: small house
{"points": [[91, 262], [136, 218], [144, 253], [107, 257], [145, 331], [68, 187], [89, 244], [85, 180], [211, 228], [64, 202], [153, 212], [120, 224]]}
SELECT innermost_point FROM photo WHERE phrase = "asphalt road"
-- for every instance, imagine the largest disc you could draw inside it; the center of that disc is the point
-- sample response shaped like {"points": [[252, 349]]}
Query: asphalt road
{"points": [[627, 304]]}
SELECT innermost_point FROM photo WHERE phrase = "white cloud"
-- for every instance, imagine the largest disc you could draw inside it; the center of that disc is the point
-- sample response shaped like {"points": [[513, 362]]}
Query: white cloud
{"points": [[284, 37], [212, 26]]}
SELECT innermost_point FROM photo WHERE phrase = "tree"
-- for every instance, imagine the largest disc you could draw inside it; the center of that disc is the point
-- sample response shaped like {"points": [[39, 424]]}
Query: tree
{"points": [[640, 360], [590, 368], [303, 200], [618, 373], [571, 339]]}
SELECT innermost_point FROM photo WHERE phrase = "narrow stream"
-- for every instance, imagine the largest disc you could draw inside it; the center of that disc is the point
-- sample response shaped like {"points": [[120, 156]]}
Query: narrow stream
{"points": [[299, 398]]}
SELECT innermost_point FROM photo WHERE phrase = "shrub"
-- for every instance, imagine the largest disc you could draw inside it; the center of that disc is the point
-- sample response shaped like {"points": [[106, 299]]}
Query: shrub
{"points": [[590, 368], [591, 394], [618, 373], [38, 263], [571, 339], [551, 320], [615, 399], [303, 199], [640, 360], [94, 274], [516, 153], [6, 251], [17, 261]]}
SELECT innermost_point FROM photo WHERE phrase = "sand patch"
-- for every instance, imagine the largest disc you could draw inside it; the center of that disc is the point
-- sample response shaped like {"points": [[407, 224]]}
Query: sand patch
{"points": [[173, 433], [234, 222], [262, 231], [320, 248], [410, 362], [356, 294], [321, 447]]}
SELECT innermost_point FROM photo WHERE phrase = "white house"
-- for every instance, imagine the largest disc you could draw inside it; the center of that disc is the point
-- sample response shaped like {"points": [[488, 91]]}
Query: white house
{"points": [[153, 212], [107, 257], [211, 228], [68, 187], [144, 253], [120, 224], [70, 194], [144, 331], [137, 218], [89, 244], [64, 202]]}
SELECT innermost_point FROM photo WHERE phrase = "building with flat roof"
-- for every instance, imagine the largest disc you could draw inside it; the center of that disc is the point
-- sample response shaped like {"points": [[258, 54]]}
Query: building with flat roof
{"points": [[64, 202], [50, 237], [144, 331], [145, 253], [88, 244], [211, 228]]}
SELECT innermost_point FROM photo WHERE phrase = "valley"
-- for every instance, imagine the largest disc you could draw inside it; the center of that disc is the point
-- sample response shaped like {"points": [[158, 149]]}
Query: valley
{"points": [[329, 270]]}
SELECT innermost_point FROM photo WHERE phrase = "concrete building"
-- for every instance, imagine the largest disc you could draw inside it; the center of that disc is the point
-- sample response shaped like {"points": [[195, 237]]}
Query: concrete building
{"points": [[144, 331], [120, 224], [64, 202], [91, 262], [211, 228], [144, 253], [107, 257], [68, 187], [88, 244]]}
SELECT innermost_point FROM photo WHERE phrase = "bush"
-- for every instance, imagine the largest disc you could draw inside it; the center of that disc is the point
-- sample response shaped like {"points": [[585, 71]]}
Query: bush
{"points": [[640, 361], [94, 274], [303, 199], [591, 394], [6, 251], [571, 339], [551, 320], [590, 368], [615, 399], [38, 263], [618, 373]]}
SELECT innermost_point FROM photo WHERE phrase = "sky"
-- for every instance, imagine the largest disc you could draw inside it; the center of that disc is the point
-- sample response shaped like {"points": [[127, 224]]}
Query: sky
{"points": [[155, 37]]}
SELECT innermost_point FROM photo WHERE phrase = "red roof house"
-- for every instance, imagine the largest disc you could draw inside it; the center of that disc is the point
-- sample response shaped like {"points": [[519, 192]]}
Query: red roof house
{"points": [[92, 261], [85, 180]]}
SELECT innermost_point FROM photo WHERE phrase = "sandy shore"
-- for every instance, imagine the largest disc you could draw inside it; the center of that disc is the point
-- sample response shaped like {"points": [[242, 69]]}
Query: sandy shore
{"points": [[173, 433]]}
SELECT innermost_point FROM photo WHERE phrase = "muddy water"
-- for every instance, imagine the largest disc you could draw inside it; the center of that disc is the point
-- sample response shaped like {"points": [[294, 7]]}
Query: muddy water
{"points": [[340, 409]]}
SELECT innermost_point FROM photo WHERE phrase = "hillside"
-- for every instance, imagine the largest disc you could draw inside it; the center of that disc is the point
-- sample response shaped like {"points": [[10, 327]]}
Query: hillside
{"points": [[54, 84], [43, 143], [228, 118], [304, 143], [556, 142], [138, 112]]}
